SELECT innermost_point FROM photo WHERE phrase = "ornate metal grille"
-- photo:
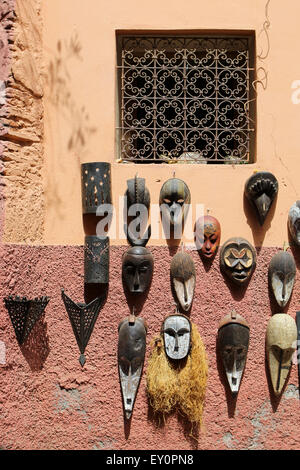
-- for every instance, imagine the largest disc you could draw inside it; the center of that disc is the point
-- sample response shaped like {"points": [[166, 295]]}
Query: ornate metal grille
{"points": [[186, 98]]}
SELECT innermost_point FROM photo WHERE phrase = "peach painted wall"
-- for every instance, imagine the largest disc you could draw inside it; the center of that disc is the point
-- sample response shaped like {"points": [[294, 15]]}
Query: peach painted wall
{"points": [[80, 109]]}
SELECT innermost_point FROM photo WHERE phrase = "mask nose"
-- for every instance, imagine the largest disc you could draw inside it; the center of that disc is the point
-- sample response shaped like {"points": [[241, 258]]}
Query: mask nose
{"points": [[136, 281], [175, 212], [176, 347], [283, 289]]}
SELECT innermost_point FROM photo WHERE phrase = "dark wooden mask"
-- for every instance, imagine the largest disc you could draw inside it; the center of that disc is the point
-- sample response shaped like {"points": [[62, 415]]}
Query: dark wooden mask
{"points": [[232, 343], [238, 260], [176, 330], [281, 343], [183, 277], [138, 203], [261, 190], [208, 235], [174, 200], [137, 269], [282, 272], [294, 222], [131, 355]]}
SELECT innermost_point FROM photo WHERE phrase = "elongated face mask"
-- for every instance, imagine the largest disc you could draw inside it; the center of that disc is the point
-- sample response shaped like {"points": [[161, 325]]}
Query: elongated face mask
{"points": [[238, 260], [174, 200], [282, 272], [294, 222], [208, 234], [176, 331], [137, 269], [233, 341], [261, 190], [131, 355], [281, 340], [183, 276]]}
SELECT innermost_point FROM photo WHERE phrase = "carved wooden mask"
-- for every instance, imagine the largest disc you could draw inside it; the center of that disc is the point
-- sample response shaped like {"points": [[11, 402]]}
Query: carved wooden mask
{"points": [[281, 341], [282, 272], [174, 200], [137, 269], [294, 222], [183, 276], [233, 341], [131, 355], [208, 235], [261, 190], [238, 260], [176, 330]]}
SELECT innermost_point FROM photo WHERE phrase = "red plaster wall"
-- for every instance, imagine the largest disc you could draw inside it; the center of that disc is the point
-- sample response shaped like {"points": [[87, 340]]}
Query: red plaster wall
{"points": [[48, 402]]}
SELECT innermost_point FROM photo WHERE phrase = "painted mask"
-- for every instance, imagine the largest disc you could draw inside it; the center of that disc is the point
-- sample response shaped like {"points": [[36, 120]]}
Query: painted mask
{"points": [[174, 200], [183, 276], [294, 222], [233, 341], [261, 190], [131, 355], [282, 272], [176, 330], [281, 342], [137, 269], [208, 234], [238, 259]]}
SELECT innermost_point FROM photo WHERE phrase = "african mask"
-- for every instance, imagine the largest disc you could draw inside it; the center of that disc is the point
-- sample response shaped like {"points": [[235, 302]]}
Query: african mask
{"points": [[261, 189], [174, 200], [137, 269], [208, 234], [96, 186], [131, 355], [282, 272], [238, 259], [281, 341], [294, 222], [233, 341], [138, 203], [176, 330], [183, 276]]}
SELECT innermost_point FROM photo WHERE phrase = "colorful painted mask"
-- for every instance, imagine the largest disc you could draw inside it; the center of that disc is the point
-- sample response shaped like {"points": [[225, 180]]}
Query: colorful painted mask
{"points": [[238, 259], [183, 276], [294, 222], [261, 190], [281, 342], [137, 269], [174, 200], [233, 341], [131, 355], [208, 234], [282, 272], [176, 331]]}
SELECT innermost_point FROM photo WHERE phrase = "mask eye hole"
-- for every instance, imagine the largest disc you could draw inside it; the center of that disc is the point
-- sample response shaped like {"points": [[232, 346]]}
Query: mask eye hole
{"points": [[130, 269], [180, 201], [167, 201]]}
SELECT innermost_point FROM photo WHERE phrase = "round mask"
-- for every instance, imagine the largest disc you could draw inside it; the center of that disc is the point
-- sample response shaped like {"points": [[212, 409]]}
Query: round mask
{"points": [[282, 272], [208, 235], [137, 269], [294, 222], [174, 200], [183, 276], [176, 330], [233, 341], [238, 260]]}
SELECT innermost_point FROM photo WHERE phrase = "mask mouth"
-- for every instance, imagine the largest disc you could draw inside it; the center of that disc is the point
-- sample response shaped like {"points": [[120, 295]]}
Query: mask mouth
{"points": [[240, 276]]}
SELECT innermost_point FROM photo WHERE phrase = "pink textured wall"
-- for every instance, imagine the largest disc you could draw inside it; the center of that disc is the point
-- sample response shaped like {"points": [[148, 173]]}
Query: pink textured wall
{"points": [[48, 402]]}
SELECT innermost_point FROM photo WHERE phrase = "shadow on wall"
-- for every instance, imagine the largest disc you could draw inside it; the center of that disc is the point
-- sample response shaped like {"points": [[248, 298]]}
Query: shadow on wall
{"points": [[58, 89]]}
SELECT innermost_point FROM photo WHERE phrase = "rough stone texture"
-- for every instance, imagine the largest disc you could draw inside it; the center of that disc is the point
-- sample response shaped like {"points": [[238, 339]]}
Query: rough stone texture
{"points": [[22, 124], [48, 402]]}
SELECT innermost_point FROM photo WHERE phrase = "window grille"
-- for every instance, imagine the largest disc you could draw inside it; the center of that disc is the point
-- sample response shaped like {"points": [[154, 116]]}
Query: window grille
{"points": [[186, 99]]}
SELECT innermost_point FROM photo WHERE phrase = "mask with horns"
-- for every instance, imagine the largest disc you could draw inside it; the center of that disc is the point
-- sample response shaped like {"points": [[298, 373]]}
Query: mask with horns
{"points": [[183, 276], [261, 189], [238, 260], [282, 272]]}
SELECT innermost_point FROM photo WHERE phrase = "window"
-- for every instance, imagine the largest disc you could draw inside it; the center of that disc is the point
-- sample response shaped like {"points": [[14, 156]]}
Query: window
{"points": [[186, 98]]}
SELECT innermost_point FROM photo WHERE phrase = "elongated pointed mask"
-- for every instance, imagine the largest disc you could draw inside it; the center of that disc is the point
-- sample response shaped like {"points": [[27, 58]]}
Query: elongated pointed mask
{"points": [[261, 190], [174, 200], [233, 342], [238, 260], [294, 222], [131, 355], [176, 330], [282, 272], [281, 341], [183, 276]]}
